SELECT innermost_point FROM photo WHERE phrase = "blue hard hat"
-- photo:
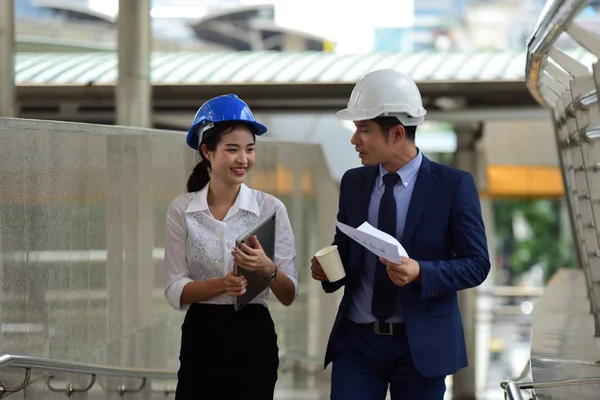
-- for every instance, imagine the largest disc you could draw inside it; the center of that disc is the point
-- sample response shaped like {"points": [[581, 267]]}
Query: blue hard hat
{"points": [[223, 108]]}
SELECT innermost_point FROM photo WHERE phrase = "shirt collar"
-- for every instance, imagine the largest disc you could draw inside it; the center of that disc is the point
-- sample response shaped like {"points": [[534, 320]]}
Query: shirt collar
{"points": [[245, 200], [406, 173]]}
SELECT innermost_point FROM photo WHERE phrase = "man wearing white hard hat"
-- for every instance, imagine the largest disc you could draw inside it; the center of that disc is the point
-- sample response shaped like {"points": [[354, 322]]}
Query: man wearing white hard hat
{"points": [[398, 325]]}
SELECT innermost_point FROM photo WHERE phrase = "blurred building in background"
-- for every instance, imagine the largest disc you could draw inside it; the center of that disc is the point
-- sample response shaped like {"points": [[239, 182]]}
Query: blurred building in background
{"points": [[215, 25], [210, 25]]}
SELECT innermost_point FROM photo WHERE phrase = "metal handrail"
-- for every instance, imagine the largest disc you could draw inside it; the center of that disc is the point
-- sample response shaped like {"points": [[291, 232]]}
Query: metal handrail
{"points": [[551, 24], [510, 386], [29, 363], [17, 361], [513, 389], [9, 360], [554, 76]]}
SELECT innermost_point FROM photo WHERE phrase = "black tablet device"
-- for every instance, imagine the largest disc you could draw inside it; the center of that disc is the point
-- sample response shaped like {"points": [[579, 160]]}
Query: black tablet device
{"points": [[265, 233]]}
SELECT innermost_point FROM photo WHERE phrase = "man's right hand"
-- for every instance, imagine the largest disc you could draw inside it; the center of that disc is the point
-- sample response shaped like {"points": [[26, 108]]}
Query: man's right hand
{"points": [[317, 271]]}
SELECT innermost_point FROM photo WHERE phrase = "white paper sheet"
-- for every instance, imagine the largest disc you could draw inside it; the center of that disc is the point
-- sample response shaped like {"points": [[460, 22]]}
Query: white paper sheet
{"points": [[376, 241]]}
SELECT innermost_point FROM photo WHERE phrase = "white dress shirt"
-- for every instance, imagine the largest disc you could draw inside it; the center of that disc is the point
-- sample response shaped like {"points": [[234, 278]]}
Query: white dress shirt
{"points": [[198, 247]]}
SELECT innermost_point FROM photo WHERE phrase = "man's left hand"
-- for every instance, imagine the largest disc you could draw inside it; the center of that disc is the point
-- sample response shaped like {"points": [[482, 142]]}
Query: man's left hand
{"points": [[406, 272]]}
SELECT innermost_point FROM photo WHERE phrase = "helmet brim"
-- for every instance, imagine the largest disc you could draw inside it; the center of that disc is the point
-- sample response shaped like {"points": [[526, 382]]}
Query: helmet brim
{"points": [[348, 116], [404, 118], [192, 135]]}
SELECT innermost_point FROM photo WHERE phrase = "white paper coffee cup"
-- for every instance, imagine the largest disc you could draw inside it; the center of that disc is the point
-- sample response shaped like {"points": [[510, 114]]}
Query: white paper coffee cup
{"points": [[330, 260]]}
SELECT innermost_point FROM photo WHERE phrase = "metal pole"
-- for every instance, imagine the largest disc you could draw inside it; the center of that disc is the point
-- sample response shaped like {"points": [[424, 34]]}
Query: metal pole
{"points": [[133, 92], [7, 60], [463, 382], [511, 390]]}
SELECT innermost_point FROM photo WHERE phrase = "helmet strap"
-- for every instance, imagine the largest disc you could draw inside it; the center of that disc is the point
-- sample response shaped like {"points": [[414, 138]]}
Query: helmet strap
{"points": [[203, 129]]}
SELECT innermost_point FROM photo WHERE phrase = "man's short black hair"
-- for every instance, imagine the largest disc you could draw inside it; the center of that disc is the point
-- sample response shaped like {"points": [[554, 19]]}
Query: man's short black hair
{"points": [[387, 123]]}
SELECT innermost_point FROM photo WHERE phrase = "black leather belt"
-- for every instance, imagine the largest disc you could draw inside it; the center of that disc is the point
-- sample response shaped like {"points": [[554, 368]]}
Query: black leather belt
{"points": [[387, 328]]}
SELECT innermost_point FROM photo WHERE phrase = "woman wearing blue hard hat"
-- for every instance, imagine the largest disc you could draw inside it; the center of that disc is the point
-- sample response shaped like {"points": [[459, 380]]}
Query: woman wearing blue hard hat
{"points": [[225, 354]]}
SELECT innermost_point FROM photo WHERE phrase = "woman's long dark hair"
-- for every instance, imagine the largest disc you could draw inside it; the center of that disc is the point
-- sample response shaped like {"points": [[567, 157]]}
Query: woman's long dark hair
{"points": [[201, 174]]}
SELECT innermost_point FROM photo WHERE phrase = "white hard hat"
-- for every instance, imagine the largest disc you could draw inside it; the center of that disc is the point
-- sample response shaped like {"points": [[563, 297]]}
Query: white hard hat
{"points": [[385, 93]]}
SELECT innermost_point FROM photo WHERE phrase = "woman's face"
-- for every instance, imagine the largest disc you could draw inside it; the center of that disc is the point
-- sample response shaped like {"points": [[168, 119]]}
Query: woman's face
{"points": [[233, 157]]}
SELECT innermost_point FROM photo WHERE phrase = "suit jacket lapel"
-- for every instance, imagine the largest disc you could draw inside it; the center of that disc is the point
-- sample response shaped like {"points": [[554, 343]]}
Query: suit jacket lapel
{"points": [[418, 202], [361, 200]]}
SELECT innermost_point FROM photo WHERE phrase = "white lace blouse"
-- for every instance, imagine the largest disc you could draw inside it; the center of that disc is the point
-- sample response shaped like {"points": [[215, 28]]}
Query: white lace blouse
{"points": [[198, 247]]}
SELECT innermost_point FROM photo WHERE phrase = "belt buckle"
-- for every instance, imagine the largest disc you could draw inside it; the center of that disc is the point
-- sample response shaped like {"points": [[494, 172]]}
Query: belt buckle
{"points": [[377, 329]]}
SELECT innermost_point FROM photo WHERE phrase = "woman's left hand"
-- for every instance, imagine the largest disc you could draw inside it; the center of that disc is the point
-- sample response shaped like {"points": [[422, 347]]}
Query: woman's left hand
{"points": [[253, 259]]}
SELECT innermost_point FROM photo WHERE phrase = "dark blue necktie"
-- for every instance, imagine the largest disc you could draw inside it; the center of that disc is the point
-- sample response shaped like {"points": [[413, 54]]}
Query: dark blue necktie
{"points": [[384, 290]]}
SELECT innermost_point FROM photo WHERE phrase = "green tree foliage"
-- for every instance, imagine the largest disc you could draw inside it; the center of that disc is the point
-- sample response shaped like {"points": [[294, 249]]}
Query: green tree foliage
{"points": [[546, 244]]}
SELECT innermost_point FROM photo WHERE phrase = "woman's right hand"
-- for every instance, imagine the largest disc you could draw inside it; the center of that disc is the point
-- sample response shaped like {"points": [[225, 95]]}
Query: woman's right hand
{"points": [[235, 286]]}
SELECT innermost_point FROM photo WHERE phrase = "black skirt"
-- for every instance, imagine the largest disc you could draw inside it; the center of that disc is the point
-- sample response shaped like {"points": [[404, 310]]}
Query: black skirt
{"points": [[227, 354]]}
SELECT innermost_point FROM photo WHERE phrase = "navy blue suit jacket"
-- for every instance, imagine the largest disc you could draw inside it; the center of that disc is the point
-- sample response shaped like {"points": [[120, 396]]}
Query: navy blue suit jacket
{"points": [[444, 232]]}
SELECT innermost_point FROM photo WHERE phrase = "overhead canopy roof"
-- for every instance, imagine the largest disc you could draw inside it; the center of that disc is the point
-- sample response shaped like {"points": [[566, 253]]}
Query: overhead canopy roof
{"points": [[267, 67], [272, 80]]}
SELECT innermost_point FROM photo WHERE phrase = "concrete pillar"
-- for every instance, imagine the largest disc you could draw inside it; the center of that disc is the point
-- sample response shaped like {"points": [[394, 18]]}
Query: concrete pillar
{"points": [[7, 63], [466, 158], [326, 215], [133, 92], [485, 304]]}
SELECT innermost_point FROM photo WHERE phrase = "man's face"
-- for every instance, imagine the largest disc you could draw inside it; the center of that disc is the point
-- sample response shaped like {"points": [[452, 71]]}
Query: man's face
{"points": [[370, 143]]}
